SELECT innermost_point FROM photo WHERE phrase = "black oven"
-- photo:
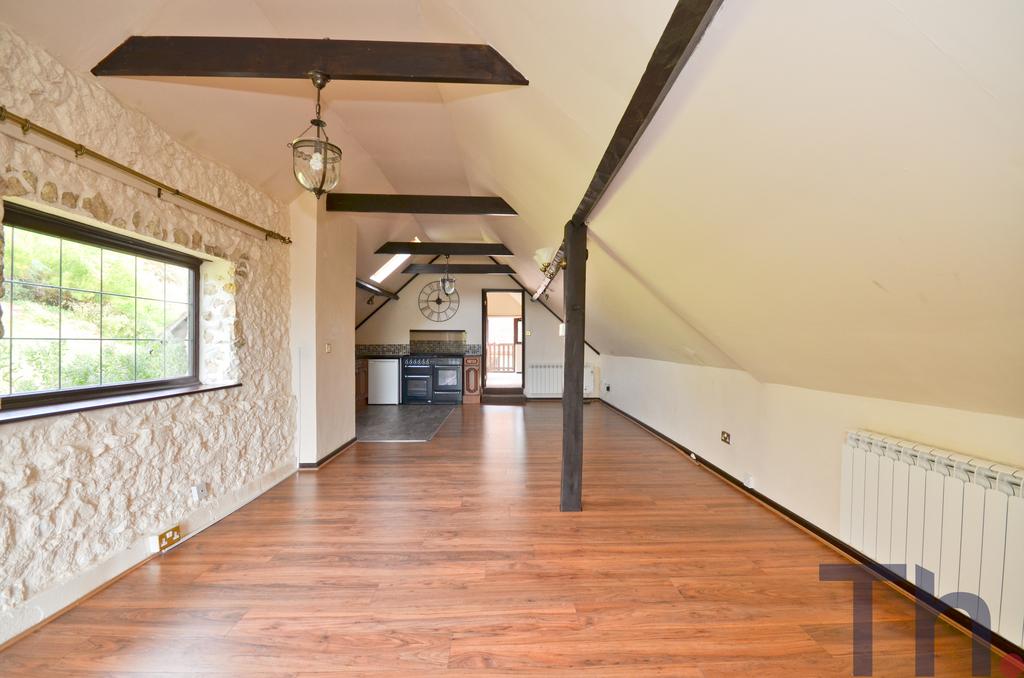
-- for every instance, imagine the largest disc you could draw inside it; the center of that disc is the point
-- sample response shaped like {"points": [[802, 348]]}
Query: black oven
{"points": [[417, 380], [431, 379], [447, 376]]}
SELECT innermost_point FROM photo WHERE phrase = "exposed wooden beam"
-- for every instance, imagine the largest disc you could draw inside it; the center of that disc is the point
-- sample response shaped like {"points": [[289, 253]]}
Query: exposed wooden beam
{"points": [[572, 390], [194, 56], [418, 204], [484, 249], [689, 20], [684, 30], [463, 269], [375, 290]]}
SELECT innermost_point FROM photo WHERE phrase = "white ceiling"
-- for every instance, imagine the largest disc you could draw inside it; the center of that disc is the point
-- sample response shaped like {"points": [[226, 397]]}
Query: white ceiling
{"points": [[832, 195]]}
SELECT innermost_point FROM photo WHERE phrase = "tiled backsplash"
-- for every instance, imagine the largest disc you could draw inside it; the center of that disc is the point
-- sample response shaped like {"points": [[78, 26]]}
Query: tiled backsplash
{"points": [[456, 347], [363, 350]]}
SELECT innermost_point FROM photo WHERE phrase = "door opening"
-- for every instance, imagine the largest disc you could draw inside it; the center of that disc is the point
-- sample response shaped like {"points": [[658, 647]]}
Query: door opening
{"points": [[504, 330]]}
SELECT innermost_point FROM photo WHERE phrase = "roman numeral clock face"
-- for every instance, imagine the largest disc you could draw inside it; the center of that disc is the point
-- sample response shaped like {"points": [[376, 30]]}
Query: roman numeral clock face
{"points": [[436, 305]]}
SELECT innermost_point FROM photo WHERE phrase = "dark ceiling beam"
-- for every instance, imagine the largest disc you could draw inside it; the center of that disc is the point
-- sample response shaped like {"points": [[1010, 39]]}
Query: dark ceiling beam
{"points": [[375, 290], [418, 204], [194, 56], [689, 20], [684, 30], [455, 249], [463, 269], [575, 284]]}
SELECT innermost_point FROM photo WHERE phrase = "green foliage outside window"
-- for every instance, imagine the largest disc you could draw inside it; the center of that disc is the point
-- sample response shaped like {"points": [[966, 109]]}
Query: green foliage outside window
{"points": [[77, 315]]}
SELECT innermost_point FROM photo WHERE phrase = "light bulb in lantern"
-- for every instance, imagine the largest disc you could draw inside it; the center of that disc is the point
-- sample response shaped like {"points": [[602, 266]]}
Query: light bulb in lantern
{"points": [[315, 160]]}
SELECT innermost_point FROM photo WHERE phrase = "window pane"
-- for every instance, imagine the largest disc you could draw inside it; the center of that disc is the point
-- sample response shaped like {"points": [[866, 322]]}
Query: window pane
{"points": [[8, 271], [35, 364], [5, 366], [150, 356], [5, 309], [79, 363], [80, 315], [150, 323], [118, 361], [118, 317], [35, 312], [36, 258], [177, 321], [177, 283], [178, 362], [118, 273], [150, 279], [80, 266]]}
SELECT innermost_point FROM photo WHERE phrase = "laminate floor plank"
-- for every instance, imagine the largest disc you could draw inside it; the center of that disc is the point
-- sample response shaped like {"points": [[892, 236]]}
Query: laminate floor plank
{"points": [[450, 558]]}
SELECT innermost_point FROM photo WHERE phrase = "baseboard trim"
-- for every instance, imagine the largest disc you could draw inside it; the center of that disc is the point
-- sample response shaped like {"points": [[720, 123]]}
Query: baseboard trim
{"points": [[316, 465], [50, 604], [955, 617]]}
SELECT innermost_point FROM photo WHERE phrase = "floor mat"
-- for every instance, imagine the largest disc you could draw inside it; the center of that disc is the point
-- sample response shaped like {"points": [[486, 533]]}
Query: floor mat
{"points": [[400, 423]]}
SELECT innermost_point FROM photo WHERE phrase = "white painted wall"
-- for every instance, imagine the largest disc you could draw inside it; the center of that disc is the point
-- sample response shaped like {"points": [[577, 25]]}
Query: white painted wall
{"points": [[303, 340], [506, 304], [789, 438], [335, 326], [392, 323], [322, 313]]}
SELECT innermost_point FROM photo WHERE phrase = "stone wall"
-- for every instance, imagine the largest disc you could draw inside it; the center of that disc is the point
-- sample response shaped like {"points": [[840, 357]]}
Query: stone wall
{"points": [[77, 490]]}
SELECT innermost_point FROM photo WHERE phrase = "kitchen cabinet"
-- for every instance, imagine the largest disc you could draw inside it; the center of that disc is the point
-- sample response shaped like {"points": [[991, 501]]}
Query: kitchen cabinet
{"points": [[471, 379], [362, 383]]}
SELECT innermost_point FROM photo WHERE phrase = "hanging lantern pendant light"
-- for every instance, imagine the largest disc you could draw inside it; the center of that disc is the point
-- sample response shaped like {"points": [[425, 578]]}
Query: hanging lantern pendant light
{"points": [[316, 162], [447, 281]]}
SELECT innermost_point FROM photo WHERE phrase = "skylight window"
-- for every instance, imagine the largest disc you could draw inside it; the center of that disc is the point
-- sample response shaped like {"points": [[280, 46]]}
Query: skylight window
{"points": [[393, 263]]}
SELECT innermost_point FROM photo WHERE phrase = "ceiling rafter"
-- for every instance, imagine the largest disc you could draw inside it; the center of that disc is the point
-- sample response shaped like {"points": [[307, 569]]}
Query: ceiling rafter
{"points": [[239, 57], [484, 249], [419, 204], [463, 269]]}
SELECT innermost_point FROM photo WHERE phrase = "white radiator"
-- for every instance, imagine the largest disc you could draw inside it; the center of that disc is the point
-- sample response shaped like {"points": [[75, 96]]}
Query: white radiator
{"points": [[545, 380], [961, 518]]}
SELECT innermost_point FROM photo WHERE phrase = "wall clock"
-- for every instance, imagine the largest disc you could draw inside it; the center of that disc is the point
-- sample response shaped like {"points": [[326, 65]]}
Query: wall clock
{"points": [[436, 305]]}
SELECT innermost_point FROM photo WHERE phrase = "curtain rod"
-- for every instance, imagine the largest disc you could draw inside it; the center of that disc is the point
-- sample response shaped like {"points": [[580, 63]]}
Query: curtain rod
{"points": [[82, 150]]}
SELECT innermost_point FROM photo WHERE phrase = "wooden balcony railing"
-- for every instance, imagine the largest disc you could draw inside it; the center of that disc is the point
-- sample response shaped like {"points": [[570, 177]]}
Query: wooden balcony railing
{"points": [[501, 357]]}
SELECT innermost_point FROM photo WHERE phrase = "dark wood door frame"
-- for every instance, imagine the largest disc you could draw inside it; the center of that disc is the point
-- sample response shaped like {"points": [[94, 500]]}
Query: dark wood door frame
{"points": [[483, 336]]}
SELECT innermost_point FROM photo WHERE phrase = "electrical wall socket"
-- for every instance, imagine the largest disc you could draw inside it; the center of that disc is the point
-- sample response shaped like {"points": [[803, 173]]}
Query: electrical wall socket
{"points": [[200, 492], [328, 348], [748, 480], [726, 438], [165, 540]]}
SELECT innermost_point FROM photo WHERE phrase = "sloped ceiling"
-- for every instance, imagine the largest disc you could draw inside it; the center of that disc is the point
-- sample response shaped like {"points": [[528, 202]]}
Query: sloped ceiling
{"points": [[830, 196]]}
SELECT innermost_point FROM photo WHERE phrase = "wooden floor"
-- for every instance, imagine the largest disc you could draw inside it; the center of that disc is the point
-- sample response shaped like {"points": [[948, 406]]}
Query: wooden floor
{"points": [[451, 557]]}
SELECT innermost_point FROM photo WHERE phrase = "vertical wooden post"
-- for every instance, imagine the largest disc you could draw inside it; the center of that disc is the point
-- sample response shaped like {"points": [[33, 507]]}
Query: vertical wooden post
{"points": [[575, 282]]}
